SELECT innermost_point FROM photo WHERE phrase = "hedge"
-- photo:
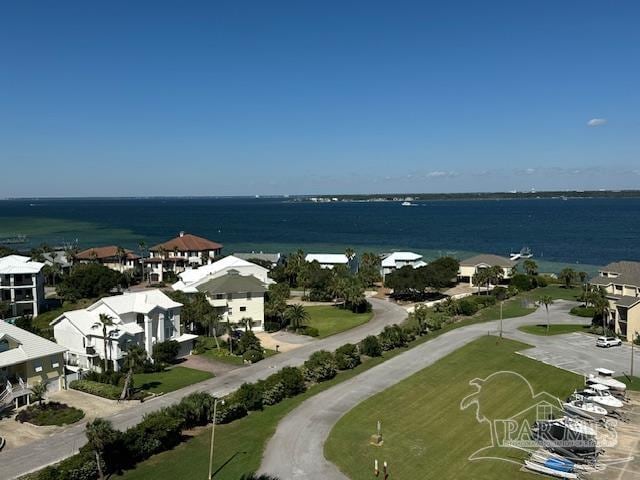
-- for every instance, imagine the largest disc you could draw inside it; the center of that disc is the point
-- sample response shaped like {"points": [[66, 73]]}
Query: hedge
{"points": [[104, 390]]}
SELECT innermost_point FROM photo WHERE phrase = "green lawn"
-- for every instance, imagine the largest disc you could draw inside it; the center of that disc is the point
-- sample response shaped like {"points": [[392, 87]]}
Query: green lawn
{"points": [[330, 320], [558, 292], [553, 329], [634, 384], [169, 380], [224, 356], [514, 307], [427, 435], [50, 413]]}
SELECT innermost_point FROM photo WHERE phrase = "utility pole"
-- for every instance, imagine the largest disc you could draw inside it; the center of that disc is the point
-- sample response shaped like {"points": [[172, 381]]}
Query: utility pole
{"points": [[633, 341], [213, 432], [501, 303]]}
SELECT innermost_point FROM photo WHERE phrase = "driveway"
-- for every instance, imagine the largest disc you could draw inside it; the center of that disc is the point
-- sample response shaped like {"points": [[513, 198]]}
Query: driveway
{"points": [[296, 451], [40, 453]]}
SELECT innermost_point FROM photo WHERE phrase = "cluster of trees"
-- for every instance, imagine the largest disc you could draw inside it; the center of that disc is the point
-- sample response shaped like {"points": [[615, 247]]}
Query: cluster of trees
{"points": [[90, 280], [413, 282], [488, 276]]}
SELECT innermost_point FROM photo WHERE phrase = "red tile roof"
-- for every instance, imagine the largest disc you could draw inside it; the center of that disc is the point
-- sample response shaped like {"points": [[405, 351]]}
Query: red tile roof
{"points": [[187, 242], [100, 253]]}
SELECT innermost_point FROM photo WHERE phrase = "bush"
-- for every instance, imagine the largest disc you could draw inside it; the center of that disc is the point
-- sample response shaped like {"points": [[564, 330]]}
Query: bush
{"points": [[273, 394], [317, 295], [253, 356], [194, 410], [587, 312], [292, 381], [248, 341], [522, 282], [78, 467], [501, 293], [467, 307], [272, 326], [109, 377], [320, 366], [51, 413], [541, 280], [165, 352], [306, 330], [112, 392], [158, 431], [229, 412], [249, 396], [347, 357], [392, 337], [371, 347]]}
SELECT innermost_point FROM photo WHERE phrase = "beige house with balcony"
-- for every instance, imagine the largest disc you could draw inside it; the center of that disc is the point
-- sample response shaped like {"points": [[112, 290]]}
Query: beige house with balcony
{"points": [[470, 266], [621, 282], [22, 285], [110, 256], [25, 360], [142, 318], [237, 298]]}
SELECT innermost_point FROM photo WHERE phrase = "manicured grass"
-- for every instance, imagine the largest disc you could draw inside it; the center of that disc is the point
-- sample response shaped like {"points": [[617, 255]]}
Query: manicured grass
{"points": [[558, 292], [224, 356], [330, 320], [553, 329], [513, 307], [427, 434], [169, 380], [51, 413], [633, 385]]}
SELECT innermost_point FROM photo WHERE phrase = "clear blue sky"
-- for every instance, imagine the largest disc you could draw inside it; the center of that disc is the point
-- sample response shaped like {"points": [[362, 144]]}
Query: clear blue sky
{"points": [[269, 97]]}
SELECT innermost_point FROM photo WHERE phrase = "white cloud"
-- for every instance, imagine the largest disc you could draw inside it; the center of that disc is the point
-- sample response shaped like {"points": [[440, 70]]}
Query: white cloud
{"points": [[439, 173], [596, 122], [529, 171]]}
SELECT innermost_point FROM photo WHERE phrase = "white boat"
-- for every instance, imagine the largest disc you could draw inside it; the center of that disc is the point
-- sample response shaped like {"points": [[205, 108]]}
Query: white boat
{"points": [[584, 409], [408, 204], [536, 467], [524, 253], [604, 399], [608, 381]]}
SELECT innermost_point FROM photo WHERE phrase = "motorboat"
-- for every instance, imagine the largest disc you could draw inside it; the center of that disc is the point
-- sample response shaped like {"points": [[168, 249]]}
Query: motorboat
{"points": [[607, 380], [602, 398], [539, 468], [408, 204], [552, 461], [567, 433], [524, 253], [585, 409]]}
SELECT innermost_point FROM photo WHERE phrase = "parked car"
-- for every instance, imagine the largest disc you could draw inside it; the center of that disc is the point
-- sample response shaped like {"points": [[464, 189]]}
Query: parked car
{"points": [[607, 342]]}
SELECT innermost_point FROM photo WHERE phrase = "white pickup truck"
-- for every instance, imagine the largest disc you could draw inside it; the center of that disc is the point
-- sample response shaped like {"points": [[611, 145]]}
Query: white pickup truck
{"points": [[607, 342]]}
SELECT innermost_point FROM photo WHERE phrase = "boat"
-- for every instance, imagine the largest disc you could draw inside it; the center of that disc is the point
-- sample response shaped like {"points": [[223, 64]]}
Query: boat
{"points": [[585, 409], [524, 253], [605, 377], [536, 467], [408, 204], [567, 433], [602, 398]]}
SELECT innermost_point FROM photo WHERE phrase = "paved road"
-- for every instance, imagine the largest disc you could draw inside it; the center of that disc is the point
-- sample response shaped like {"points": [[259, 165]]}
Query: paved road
{"points": [[36, 455], [296, 451]]}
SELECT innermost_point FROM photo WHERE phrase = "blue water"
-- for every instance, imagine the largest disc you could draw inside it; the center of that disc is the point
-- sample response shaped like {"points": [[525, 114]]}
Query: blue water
{"points": [[576, 231]]}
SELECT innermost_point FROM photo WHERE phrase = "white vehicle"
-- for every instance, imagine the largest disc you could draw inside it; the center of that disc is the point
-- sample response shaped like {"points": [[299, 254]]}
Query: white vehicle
{"points": [[607, 342]]}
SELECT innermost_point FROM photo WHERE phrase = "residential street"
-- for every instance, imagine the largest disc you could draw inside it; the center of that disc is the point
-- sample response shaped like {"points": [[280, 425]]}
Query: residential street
{"points": [[19, 461], [296, 451]]}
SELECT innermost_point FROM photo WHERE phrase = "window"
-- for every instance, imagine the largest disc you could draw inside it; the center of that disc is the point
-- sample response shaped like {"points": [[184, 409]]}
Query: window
{"points": [[229, 311], [219, 296], [37, 365], [248, 295], [243, 309], [55, 363], [168, 330], [139, 318], [229, 296]]}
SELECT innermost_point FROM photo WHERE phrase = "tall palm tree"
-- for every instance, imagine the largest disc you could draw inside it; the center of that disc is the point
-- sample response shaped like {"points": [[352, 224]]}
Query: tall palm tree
{"points": [[142, 248], [480, 278], [567, 276], [121, 253], [494, 274], [100, 434], [350, 253], [530, 267], [296, 315], [546, 300], [601, 307], [104, 321]]}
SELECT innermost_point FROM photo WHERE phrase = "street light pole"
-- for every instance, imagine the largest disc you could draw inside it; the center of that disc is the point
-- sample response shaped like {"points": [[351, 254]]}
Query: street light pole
{"points": [[633, 341], [213, 433], [501, 303]]}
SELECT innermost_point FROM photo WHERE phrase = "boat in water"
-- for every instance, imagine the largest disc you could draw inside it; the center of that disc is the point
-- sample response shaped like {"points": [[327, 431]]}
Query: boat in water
{"points": [[408, 204], [14, 240], [524, 253]]}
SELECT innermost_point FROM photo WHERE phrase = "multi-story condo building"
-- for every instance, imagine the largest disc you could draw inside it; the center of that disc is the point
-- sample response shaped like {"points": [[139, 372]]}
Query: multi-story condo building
{"points": [[22, 285], [621, 282]]}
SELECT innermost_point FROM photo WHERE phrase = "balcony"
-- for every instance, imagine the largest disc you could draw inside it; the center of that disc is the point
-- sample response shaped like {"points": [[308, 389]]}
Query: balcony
{"points": [[23, 282]]}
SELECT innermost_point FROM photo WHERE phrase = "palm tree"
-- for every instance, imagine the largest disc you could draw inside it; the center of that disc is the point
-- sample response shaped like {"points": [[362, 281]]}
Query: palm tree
{"points": [[480, 278], [350, 253], [100, 434], [38, 391], [601, 307], [104, 322], [567, 276], [530, 267], [121, 254], [546, 300], [296, 315], [142, 248], [494, 275]]}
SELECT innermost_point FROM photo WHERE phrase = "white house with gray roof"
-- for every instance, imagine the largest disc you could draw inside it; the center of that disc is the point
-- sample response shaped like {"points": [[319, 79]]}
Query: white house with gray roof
{"points": [[621, 282], [142, 318], [393, 261]]}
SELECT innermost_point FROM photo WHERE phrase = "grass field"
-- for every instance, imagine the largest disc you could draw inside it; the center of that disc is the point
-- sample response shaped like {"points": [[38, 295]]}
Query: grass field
{"points": [[634, 384], [553, 329], [558, 292], [214, 354], [427, 435], [169, 380], [514, 307], [330, 320]]}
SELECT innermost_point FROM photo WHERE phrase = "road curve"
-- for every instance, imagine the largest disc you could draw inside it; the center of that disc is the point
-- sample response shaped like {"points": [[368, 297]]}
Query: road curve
{"points": [[296, 451], [36, 455]]}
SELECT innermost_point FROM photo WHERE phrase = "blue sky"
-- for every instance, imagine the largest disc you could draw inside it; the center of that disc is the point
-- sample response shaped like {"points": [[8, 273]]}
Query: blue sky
{"points": [[236, 98]]}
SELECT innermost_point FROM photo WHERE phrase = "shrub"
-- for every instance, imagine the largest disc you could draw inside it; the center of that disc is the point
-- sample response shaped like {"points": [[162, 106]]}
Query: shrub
{"points": [[292, 381], [371, 347], [320, 366], [467, 307], [166, 352], [501, 293], [588, 312], [306, 330], [248, 341], [253, 356], [522, 282], [109, 377], [194, 410], [229, 412], [104, 390], [272, 326], [156, 432], [542, 280], [392, 337], [317, 295], [273, 394], [347, 357], [51, 413], [249, 396]]}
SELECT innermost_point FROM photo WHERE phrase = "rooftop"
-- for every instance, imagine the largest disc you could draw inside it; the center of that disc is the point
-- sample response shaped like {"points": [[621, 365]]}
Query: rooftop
{"points": [[233, 282], [188, 242], [390, 260], [628, 273], [100, 253], [268, 257], [627, 301], [31, 346], [12, 264], [488, 259], [327, 258]]}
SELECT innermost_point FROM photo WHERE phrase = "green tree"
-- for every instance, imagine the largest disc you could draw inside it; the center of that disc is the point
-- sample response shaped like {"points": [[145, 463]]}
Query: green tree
{"points": [[369, 269], [350, 253], [121, 255], [5, 309], [39, 391], [530, 267], [546, 300], [296, 315], [100, 435], [276, 301], [88, 281], [601, 308], [104, 321], [567, 276], [293, 266]]}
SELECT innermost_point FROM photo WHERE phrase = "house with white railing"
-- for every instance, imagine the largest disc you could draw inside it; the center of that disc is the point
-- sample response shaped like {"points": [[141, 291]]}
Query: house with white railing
{"points": [[22, 285]]}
